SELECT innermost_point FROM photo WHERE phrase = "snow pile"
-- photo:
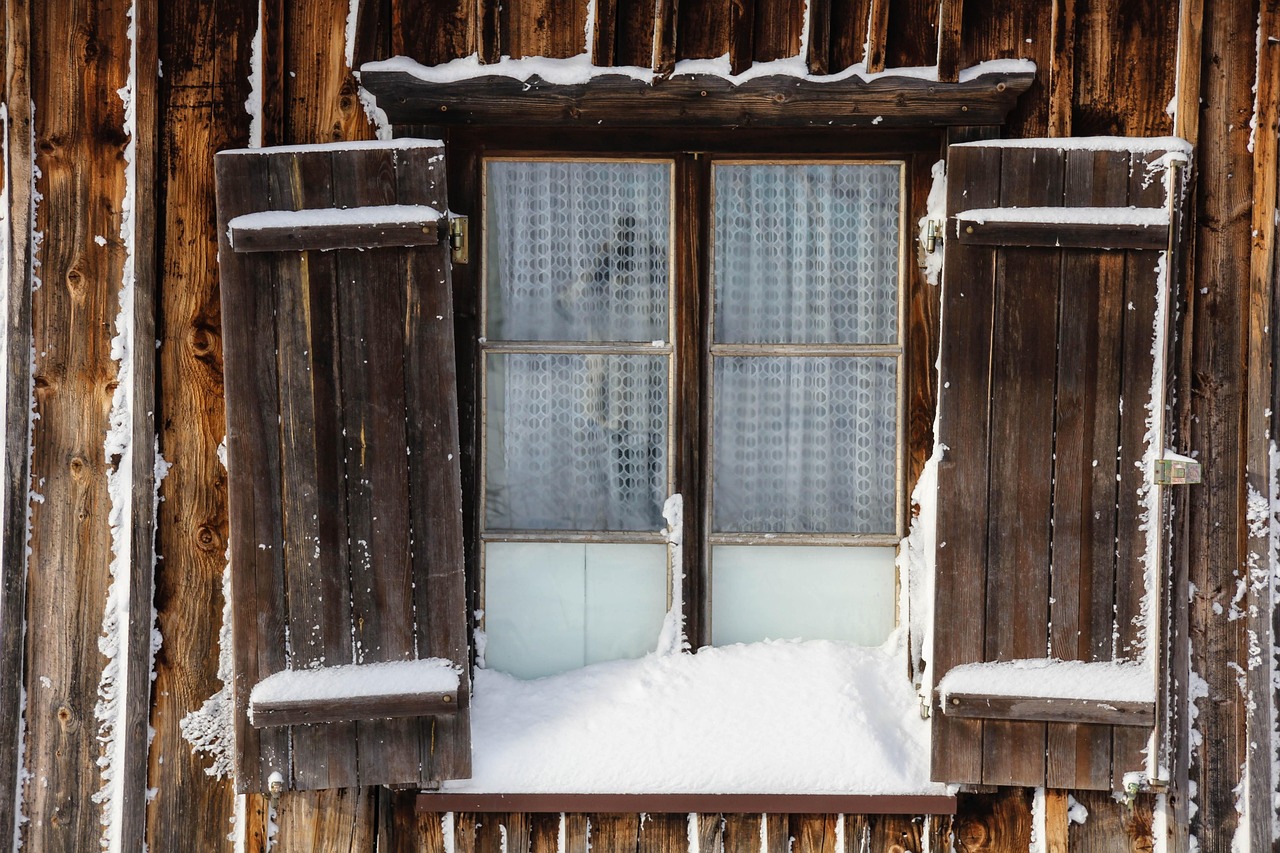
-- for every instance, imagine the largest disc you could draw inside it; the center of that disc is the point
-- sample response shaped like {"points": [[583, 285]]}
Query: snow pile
{"points": [[349, 681], [776, 717], [1098, 681]]}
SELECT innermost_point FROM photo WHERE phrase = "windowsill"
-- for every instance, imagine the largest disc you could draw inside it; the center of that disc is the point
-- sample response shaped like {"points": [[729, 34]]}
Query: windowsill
{"points": [[882, 804], [736, 728]]}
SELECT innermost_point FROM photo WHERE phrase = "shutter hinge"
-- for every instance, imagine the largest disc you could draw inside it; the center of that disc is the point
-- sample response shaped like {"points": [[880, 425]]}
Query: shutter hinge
{"points": [[1174, 469], [459, 239], [930, 236]]}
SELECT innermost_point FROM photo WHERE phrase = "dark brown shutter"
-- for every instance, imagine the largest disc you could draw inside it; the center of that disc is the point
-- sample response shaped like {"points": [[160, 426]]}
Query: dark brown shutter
{"points": [[1046, 375], [342, 436]]}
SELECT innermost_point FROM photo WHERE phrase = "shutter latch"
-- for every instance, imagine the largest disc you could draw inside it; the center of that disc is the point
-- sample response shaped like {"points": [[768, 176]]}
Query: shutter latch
{"points": [[1174, 469], [459, 239]]}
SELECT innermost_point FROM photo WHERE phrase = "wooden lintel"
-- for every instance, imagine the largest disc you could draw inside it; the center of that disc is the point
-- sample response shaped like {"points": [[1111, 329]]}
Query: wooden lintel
{"points": [[880, 804], [301, 238], [1055, 710], [1064, 235], [699, 101], [292, 712]]}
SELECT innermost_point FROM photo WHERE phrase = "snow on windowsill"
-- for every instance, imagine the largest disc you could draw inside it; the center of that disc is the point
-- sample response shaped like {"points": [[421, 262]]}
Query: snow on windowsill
{"points": [[1097, 681], [778, 717], [577, 70], [1142, 217], [350, 681]]}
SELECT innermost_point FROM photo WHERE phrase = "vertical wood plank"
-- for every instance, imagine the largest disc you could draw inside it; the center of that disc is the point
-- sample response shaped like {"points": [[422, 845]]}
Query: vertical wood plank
{"points": [[877, 35], [253, 457], [778, 28], [1190, 34], [321, 102], [965, 365], [17, 401], [635, 28], [604, 37], [993, 823], [615, 831], [1125, 56], [1055, 821], [663, 833], [1128, 744], [577, 831], [1111, 826], [312, 472], [205, 51], [848, 33], [544, 832], [435, 490], [551, 28], [742, 34], [1020, 506], [370, 289], [666, 13], [436, 31], [1062, 68], [710, 828], [407, 829], [912, 35], [950, 15], [741, 833], [705, 31], [340, 820], [814, 833], [1085, 469], [1012, 29], [819, 58]]}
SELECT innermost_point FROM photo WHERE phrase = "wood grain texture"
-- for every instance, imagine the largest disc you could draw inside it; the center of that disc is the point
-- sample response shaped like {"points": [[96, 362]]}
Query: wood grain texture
{"points": [[1062, 68], [877, 36], [741, 833], [436, 31], [551, 28], [703, 28], [1012, 29], [993, 823], [813, 833], [292, 712], [950, 16], [340, 820], [1111, 827], [1124, 59], [1217, 356], [1073, 235], [205, 50], [322, 238], [1099, 712], [78, 52], [699, 101], [911, 37], [779, 25], [1187, 71], [17, 399], [848, 30], [635, 27], [963, 473], [317, 92]]}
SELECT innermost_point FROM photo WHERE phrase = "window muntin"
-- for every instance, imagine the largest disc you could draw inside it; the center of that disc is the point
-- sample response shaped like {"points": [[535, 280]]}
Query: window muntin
{"points": [[803, 402]]}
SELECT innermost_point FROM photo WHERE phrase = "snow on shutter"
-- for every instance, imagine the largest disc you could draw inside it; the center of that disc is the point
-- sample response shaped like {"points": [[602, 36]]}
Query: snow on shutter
{"points": [[348, 593], [1055, 301]]}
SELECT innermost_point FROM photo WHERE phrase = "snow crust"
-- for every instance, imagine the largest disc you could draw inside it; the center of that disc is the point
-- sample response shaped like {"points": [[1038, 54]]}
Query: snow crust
{"points": [[578, 70], [774, 717], [321, 217], [353, 145], [1143, 217], [1136, 145], [1098, 681], [391, 678]]}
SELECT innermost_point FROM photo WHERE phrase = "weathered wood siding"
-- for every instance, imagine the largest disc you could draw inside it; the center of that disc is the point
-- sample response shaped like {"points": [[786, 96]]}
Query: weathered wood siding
{"points": [[1106, 66]]}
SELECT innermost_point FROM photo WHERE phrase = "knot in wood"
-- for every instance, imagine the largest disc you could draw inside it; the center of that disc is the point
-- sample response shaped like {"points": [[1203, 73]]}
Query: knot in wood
{"points": [[207, 538]]}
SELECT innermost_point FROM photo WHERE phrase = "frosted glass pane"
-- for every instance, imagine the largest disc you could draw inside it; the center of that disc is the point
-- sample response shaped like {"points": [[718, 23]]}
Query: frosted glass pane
{"points": [[577, 251], [550, 607], [806, 253], [575, 442], [805, 445], [781, 592]]}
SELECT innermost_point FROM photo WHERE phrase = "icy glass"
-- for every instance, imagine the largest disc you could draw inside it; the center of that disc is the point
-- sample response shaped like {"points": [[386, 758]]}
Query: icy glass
{"points": [[577, 251], [575, 442], [805, 445], [763, 592], [551, 607], [806, 253]]}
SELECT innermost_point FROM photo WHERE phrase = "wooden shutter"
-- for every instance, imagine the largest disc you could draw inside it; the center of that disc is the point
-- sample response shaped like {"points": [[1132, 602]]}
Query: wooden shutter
{"points": [[1047, 417], [342, 438]]}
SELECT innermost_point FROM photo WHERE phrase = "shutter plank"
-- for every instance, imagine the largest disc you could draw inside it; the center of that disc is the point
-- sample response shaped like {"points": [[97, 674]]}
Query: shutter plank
{"points": [[253, 465], [434, 468], [370, 301], [314, 534], [1019, 506], [1084, 510], [1138, 360], [965, 361]]}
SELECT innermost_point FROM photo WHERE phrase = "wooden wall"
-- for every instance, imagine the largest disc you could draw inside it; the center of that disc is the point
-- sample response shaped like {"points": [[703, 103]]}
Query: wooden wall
{"points": [[1106, 66]]}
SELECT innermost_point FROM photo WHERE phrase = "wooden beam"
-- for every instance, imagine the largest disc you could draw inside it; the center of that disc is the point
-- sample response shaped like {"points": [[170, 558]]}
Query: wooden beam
{"points": [[950, 13], [877, 35], [17, 399], [300, 234], [291, 712], [1099, 234], [977, 706], [698, 101]]}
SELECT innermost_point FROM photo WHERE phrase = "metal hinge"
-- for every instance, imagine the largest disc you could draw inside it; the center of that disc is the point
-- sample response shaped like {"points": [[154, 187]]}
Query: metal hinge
{"points": [[459, 239], [930, 236], [1176, 470]]}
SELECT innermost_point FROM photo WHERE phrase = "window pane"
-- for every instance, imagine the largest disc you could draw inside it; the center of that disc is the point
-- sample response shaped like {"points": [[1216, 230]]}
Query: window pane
{"points": [[575, 442], [806, 253], [577, 251], [550, 607], [805, 445], [780, 592]]}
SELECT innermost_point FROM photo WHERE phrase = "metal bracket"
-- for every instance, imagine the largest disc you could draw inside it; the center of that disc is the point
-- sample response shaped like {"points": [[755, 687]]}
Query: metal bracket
{"points": [[459, 239], [1176, 470]]}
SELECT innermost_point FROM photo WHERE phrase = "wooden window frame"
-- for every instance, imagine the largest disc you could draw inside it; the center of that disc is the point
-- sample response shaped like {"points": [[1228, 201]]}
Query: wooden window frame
{"points": [[693, 153]]}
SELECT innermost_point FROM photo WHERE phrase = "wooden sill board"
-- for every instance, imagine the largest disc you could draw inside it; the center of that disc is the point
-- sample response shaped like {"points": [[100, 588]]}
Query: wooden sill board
{"points": [[895, 804]]}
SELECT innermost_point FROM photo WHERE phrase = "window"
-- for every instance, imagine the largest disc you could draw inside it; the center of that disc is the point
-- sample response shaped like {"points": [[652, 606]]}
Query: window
{"points": [[790, 456]]}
